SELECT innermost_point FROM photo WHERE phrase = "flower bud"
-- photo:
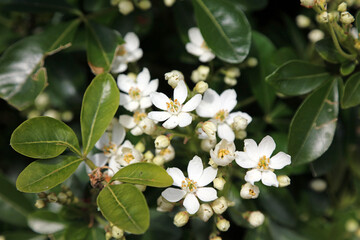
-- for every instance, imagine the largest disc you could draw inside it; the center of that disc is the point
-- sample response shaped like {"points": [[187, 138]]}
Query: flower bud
{"points": [[207, 144], [333, 16], [230, 81], [222, 224], [140, 147], [33, 113], [239, 123], [249, 191], [219, 183], [40, 203], [53, 114], [318, 185], [148, 156], [302, 21], [323, 17], [69, 193], [342, 7], [346, 18], [158, 160], [201, 87], [114, 2], [144, 5], [52, 197], [241, 134], [126, 7], [316, 35], [219, 205], [256, 218], [108, 235], [62, 197], [116, 232], [67, 116], [162, 141], [283, 180], [181, 218], [205, 212], [200, 74], [169, 3], [42, 195], [232, 72], [42, 101], [307, 3], [142, 188], [163, 205], [174, 77], [210, 129], [252, 62], [351, 225], [148, 126]]}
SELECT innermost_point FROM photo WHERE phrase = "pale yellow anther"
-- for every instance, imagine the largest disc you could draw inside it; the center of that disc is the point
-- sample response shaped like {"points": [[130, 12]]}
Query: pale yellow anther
{"points": [[134, 93], [221, 115], [128, 157], [222, 153], [263, 163]]}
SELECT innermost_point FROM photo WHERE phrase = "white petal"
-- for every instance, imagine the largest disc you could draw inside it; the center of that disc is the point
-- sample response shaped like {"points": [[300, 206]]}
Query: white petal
{"points": [[145, 102], [206, 194], [118, 133], [209, 105], [228, 99], [132, 105], [171, 123], [192, 104], [266, 146], [118, 67], [194, 49], [230, 118], [195, 168], [103, 141], [173, 194], [151, 87], [177, 175], [251, 149], [191, 203], [280, 160], [253, 176], [225, 132], [127, 121], [208, 175], [159, 115], [135, 55], [269, 179], [180, 92], [125, 83], [143, 79], [195, 36], [114, 166], [207, 56], [132, 41], [99, 159], [243, 160], [184, 119], [136, 131], [159, 100]]}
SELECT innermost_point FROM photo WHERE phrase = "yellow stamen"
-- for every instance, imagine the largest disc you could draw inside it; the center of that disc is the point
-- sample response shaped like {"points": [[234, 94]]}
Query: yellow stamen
{"points": [[138, 117], [128, 157], [108, 149], [165, 151], [251, 192], [222, 153], [134, 93], [263, 163], [189, 185], [173, 106], [221, 115]]}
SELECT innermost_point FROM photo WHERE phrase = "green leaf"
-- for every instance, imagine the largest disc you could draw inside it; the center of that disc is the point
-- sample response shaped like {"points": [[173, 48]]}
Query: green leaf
{"points": [[100, 102], [313, 126], [44, 137], [145, 174], [83, 232], [21, 235], [328, 52], [101, 45], [225, 29], [250, 5], [125, 206], [357, 21], [22, 77], [36, 5], [45, 222], [297, 77], [42, 175], [351, 97], [347, 68]]}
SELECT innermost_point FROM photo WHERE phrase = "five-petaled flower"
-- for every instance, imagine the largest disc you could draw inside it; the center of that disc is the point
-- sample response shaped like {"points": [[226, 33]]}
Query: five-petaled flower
{"points": [[197, 46], [258, 158], [193, 186]]}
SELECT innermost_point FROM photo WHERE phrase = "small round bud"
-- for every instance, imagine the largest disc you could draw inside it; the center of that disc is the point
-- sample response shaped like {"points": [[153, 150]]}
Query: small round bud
{"points": [[163, 205], [256, 218], [162, 141], [239, 123], [342, 7], [144, 5], [40, 203], [108, 235], [181, 218], [169, 3], [316, 35], [233, 72], [210, 129], [33, 113], [174, 77], [52, 197], [67, 116], [200, 74], [126, 7], [302, 21], [333, 16], [346, 18], [219, 205], [241, 134], [205, 212], [142, 188], [69, 193], [76, 200], [207, 144], [201, 87], [318, 185], [249, 191], [323, 17], [53, 114], [62, 197], [219, 183], [158, 160], [351, 225], [140, 147], [42, 195], [230, 81], [283, 180], [252, 62], [116, 232], [148, 156], [222, 224], [42, 101], [307, 3], [212, 163]]}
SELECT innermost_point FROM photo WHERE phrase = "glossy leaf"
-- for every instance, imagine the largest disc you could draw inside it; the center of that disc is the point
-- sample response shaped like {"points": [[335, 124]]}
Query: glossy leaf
{"points": [[44, 137], [250, 5], [351, 96], [313, 126], [347, 68], [22, 77], [125, 206], [297, 77], [101, 45], [42, 175], [45, 222], [145, 174], [225, 29], [100, 102], [328, 52], [83, 232]]}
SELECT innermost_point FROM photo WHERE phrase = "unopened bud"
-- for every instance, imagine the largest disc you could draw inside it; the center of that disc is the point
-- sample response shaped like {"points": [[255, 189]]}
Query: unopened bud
{"points": [[148, 156], [201, 87], [207, 144], [142, 188], [42, 101], [62, 197], [144, 4], [169, 3], [42, 195], [241, 134], [148, 126], [210, 129], [52, 197], [323, 17], [351, 225], [67, 116], [232, 72], [219, 183], [40, 203], [342, 7], [346, 18], [316, 35], [239, 123], [116, 232], [256, 218], [308, 3], [205, 212], [333, 16], [200, 74], [162, 141], [126, 7], [252, 62], [174, 77], [230, 81], [163, 205], [219, 205], [181, 218], [108, 235], [69, 193], [249, 191], [158, 160], [53, 114], [283, 180], [318, 185], [212, 163], [302, 21], [140, 147], [222, 224]]}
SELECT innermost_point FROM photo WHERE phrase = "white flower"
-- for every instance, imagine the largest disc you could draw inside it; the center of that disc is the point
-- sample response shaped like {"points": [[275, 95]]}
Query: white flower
{"points": [[224, 153], [193, 186], [198, 47], [125, 155], [128, 52], [174, 77], [168, 153], [136, 93], [316, 35], [249, 191], [139, 123], [258, 158], [308, 3], [175, 112], [218, 108]]}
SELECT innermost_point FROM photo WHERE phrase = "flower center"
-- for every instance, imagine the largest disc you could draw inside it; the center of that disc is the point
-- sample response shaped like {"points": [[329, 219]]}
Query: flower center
{"points": [[221, 115], [263, 163], [138, 117], [121, 51], [134, 93], [222, 153], [109, 149], [251, 192], [173, 106], [165, 151], [128, 157], [189, 185]]}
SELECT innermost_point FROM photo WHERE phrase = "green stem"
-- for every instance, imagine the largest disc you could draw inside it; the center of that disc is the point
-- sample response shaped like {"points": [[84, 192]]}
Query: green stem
{"points": [[337, 45], [90, 163]]}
